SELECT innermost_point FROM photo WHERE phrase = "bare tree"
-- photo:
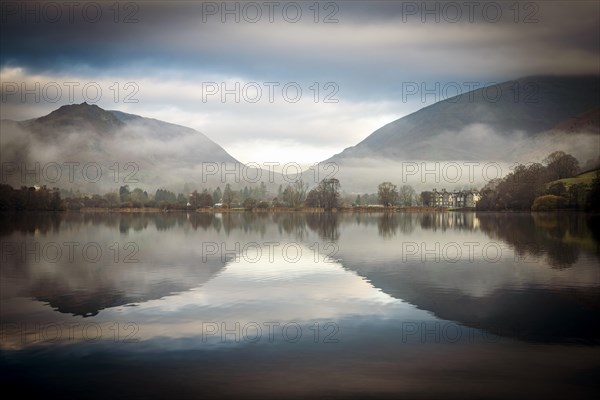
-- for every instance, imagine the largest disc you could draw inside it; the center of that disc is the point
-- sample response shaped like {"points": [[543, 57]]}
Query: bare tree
{"points": [[294, 194], [387, 194], [407, 195]]}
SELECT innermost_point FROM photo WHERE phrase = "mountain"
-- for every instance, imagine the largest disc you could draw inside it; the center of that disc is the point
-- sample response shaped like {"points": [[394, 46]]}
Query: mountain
{"points": [[83, 117], [130, 149], [526, 106], [516, 121]]}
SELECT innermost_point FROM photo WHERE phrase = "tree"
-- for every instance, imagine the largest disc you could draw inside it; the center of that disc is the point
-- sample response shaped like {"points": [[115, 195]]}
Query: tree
{"points": [[124, 193], [387, 194], [276, 203], [228, 196], [593, 197], [325, 195], [557, 189], [295, 193], [262, 204], [577, 195], [165, 196], [313, 198], [249, 204], [518, 190], [112, 199], [427, 198], [205, 199], [406, 195], [217, 195], [262, 191], [194, 200], [561, 165], [139, 197], [55, 201]]}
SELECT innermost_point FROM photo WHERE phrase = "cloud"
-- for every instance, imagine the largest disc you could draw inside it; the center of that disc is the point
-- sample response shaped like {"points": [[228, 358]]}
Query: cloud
{"points": [[169, 51]]}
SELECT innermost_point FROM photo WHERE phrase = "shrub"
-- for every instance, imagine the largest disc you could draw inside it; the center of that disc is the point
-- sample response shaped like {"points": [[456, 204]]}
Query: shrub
{"points": [[548, 202]]}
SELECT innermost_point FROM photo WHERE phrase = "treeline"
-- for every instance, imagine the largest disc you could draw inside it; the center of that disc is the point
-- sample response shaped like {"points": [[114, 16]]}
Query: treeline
{"points": [[294, 195], [30, 199], [164, 199], [533, 187]]}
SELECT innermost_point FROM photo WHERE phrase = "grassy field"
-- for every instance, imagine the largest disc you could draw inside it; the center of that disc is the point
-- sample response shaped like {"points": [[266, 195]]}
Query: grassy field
{"points": [[586, 177]]}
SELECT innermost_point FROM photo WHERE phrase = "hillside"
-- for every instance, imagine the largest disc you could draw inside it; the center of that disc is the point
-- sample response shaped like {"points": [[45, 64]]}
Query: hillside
{"points": [[429, 148], [458, 128], [151, 153], [586, 177]]}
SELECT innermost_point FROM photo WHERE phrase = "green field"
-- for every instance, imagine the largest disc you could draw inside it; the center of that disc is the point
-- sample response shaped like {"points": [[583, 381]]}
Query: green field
{"points": [[586, 178]]}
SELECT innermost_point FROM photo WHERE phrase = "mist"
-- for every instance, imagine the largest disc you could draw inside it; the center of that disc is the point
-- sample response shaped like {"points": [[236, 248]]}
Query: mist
{"points": [[482, 154]]}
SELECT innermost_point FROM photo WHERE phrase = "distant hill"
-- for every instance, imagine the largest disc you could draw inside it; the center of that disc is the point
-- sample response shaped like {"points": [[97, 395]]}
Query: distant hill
{"points": [[441, 131], [152, 152], [549, 113]]}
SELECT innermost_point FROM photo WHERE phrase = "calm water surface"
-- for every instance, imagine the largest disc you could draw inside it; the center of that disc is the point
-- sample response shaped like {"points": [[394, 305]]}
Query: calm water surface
{"points": [[240, 305]]}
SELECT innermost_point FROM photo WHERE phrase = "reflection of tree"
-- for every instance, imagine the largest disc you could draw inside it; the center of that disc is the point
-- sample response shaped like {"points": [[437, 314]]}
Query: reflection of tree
{"points": [[201, 220], [558, 236], [132, 221], [228, 222], [165, 221], [427, 221], [387, 224], [29, 222], [217, 224], [254, 222], [291, 223], [593, 223], [406, 223], [325, 224], [245, 221]]}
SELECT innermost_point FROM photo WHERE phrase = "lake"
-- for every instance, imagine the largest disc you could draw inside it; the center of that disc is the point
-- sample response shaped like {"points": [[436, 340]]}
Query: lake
{"points": [[294, 305]]}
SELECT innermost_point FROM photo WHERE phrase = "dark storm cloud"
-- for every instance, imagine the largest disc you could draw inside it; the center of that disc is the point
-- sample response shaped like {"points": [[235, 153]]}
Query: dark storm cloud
{"points": [[372, 47]]}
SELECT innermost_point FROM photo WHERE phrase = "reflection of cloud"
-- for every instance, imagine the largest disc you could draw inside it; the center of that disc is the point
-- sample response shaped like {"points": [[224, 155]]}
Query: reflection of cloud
{"points": [[368, 275], [247, 292]]}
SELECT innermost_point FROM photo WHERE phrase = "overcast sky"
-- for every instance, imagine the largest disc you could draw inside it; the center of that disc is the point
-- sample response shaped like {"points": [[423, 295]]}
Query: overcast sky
{"points": [[304, 80]]}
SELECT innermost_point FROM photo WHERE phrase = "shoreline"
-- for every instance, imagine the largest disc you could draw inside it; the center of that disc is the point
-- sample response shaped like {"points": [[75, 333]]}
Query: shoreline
{"points": [[271, 210]]}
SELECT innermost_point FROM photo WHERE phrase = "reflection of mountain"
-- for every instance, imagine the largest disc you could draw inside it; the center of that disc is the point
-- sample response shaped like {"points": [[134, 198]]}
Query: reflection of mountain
{"points": [[90, 298], [530, 313], [502, 298], [88, 303], [141, 270], [531, 301]]}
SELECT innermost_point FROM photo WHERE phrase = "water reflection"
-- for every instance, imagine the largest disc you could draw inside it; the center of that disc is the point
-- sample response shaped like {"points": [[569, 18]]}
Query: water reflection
{"points": [[560, 237], [239, 304], [543, 286]]}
